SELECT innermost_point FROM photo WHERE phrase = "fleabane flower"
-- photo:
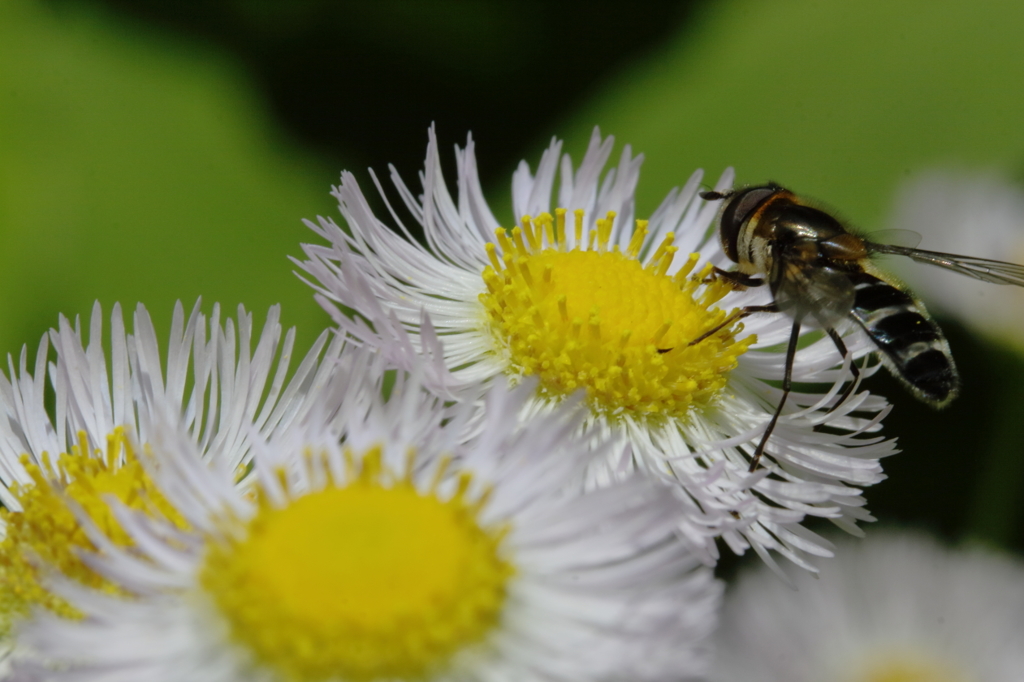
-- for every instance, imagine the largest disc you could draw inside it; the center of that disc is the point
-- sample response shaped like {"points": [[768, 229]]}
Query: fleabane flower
{"points": [[61, 460], [398, 540], [583, 297], [894, 608]]}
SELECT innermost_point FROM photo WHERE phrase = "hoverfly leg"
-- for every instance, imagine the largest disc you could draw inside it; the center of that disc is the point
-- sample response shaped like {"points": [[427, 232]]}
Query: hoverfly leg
{"points": [[787, 382], [737, 278], [738, 315], [854, 370]]}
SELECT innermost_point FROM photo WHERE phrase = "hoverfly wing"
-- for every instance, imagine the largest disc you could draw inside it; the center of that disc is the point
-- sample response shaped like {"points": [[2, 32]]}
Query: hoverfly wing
{"points": [[994, 271], [907, 239], [819, 295]]}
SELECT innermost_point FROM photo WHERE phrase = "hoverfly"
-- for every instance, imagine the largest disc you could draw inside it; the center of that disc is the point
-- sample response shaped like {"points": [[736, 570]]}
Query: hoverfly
{"points": [[820, 274]]}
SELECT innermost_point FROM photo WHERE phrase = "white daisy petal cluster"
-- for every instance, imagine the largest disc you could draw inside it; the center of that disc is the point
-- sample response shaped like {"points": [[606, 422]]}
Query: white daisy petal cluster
{"points": [[67, 428], [221, 389], [892, 607], [584, 297], [375, 540]]}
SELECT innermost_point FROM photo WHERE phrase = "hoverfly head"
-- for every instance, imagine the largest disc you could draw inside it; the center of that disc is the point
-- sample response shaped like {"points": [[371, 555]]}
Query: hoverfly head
{"points": [[740, 206]]}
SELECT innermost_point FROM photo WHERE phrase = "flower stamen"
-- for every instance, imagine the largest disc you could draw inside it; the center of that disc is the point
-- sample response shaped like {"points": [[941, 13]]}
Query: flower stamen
{"points": [[634, 355], [47, 533], [371, 579]]}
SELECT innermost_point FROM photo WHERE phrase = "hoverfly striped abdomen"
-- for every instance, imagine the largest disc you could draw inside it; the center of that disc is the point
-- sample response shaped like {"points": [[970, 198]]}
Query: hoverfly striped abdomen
{"points": [[912, 345]]}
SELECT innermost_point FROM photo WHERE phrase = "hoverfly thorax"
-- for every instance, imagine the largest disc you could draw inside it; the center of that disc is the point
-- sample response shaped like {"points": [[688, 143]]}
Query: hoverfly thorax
{"points": [[807, 255]]}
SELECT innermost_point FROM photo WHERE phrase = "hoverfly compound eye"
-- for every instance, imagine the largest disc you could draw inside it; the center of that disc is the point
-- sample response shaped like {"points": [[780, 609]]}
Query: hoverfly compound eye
{"points": [[738, 210]]}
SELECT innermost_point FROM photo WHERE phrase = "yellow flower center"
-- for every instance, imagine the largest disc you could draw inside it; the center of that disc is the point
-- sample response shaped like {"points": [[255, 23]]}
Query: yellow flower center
{"points": [[46, 532], [598, 318], [902, 666], [364, 580]]}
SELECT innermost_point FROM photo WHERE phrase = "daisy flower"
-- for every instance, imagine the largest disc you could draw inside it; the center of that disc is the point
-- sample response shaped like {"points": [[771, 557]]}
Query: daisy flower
{"points": [[68, 426], [972, 214], [420, 545], [894, 607], [582, 296]]}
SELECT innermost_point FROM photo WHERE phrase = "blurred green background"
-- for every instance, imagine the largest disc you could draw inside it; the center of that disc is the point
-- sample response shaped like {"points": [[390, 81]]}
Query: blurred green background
{"points": [[153, 150]]}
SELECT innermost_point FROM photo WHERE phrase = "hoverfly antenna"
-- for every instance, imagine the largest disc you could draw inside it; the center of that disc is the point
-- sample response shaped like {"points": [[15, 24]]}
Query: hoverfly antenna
{"points": [[715, 195]]}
